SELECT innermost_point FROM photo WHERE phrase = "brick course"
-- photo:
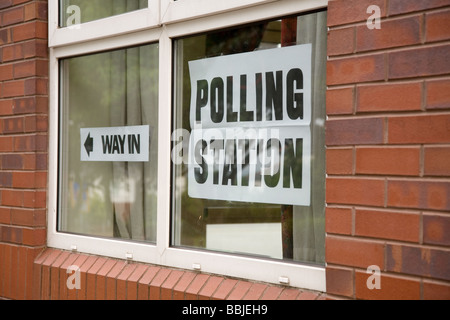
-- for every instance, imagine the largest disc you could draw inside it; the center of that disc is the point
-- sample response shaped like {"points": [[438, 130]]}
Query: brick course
{"points": [[388, 132]]}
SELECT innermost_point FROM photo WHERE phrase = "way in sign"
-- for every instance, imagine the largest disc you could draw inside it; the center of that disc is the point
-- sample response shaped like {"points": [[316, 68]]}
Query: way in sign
{"points": [[128, 143], [116, 143]]}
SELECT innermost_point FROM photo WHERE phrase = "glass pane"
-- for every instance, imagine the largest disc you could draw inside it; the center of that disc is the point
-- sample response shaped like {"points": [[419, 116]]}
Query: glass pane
{"points": [[108, 144], [73, 12], [248, 145]]}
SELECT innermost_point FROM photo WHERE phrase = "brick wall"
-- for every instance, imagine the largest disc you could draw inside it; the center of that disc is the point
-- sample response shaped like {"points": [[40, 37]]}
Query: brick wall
{"points": [[388, 149], [23, 142]]}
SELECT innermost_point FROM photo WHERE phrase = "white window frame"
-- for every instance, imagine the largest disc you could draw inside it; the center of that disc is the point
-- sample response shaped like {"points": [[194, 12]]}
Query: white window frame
{"points": [[144, 26]]}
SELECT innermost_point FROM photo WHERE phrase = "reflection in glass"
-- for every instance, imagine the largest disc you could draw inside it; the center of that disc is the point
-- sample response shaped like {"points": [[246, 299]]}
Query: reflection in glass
{"points": [[111, 89]]}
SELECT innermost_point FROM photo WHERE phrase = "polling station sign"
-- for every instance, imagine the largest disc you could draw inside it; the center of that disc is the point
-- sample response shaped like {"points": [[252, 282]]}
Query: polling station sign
{"points": [[125, 143], [250, 116]]}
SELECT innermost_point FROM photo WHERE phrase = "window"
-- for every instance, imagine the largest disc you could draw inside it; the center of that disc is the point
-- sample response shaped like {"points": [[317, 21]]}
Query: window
{"points": [[123, 85], [243, 87], [105, 195]]}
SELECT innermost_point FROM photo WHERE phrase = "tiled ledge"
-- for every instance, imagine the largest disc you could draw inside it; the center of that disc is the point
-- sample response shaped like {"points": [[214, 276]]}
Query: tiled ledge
{"points": [[103, 278]]}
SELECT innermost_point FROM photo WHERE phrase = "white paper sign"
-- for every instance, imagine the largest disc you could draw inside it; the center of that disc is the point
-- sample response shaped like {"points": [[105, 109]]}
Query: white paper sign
{"points": [[128, 143], [251, 138]]}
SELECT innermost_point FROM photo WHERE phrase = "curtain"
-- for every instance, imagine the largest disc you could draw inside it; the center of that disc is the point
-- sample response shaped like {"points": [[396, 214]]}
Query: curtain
{"points": [[133, 182]]}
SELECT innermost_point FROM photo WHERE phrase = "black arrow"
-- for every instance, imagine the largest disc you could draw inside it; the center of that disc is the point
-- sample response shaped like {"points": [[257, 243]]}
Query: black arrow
{"points": [[89, 144]]}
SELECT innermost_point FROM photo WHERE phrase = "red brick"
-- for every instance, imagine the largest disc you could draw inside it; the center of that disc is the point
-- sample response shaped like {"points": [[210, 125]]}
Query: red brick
{"points": [[338, 220], [387, 225], [349, 11], [271, 293], [36, 10], [437, 26], [410, 63], [356, 69], [12, 198], [6, 179], [308, 295], [6, 144], [5, 216], [13, 125], [101, 279], [433, 195], [209, 288], [111, 280], [122, 281], [393, 33], [12, 52], [255, 291], [418, 261], [436, 290], [35, 48], [339, 161], [132, 283], [31, 30], [388, 160], [13, 89], [144, 283], [224, 290], [46, 274], [30, 68], [91, 276], [5, 3], [289, 294], [354, 131], [341, 41], [354, 252], [169, 284], [12, 161], [435, 229], [340, 101], [355, 191], [437, 161], [28, 217], [389, 97], [340, 281], [6, 107], [195, 286], [392, 288], [419, 129], [239, 290], [438, 94], [55, 275], [12, 16], [36, 86], [181, 286], [156, 283], [6, 72], [35, 236], [12, 234], [401, 6]]}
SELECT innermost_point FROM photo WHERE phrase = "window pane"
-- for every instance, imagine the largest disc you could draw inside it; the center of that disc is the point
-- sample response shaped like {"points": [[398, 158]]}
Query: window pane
{"points": [[79, 11], [108, 144], [249, 149]]}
